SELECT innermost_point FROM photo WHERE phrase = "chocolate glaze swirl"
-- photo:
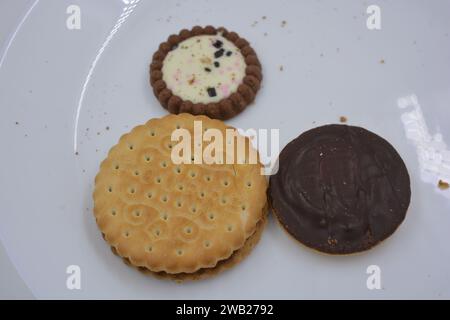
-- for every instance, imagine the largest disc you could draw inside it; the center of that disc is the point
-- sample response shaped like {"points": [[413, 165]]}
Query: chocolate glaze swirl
{"points": [[340, 189]]}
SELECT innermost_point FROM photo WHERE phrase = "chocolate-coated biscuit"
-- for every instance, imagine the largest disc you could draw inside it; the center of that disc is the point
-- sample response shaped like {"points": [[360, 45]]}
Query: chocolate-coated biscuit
{"points": [[340, 189]]}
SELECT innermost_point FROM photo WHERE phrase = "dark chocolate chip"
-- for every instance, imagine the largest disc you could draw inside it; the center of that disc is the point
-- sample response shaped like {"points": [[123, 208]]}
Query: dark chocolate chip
{"points": [[207, 69], [219, 53], [174, 47], [212, 92], [216, 64], [229, 53], [217, 44]]}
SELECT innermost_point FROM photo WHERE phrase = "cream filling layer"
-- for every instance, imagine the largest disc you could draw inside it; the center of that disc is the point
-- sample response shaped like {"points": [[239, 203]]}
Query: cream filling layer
{"points": [[204, 69]]}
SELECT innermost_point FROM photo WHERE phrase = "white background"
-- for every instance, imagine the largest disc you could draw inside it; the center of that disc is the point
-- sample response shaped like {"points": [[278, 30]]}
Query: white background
{"points": [[331, 68]]}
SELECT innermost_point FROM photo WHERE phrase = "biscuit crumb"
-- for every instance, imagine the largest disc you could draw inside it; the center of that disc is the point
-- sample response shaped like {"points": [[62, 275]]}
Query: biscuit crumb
{"points": [[264, 17], [281, 68], [443, 185], [332, 242], [382, 61], [265, 34], [205, 60], [283, 23], [17, 123], [192, 80], [343, 119], [76, 153]]}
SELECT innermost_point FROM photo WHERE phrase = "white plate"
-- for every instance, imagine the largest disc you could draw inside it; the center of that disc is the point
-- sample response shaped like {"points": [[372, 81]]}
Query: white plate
{"points": [[64, 87]]}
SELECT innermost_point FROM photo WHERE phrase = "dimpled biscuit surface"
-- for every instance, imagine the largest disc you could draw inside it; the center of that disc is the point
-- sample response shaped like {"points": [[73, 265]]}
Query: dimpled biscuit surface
{"points": [[175, 217]]}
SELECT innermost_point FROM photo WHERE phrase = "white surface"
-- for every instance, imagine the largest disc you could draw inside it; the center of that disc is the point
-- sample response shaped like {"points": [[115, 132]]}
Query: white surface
{"points": [[11, 284], [56, 85]]}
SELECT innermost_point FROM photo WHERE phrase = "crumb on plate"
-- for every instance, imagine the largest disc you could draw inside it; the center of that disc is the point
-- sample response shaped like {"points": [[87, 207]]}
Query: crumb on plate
{"points": [[443, 185]]}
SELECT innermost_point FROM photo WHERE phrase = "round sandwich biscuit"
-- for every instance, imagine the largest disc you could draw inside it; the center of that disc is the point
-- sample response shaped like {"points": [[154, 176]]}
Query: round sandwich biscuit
{"points": [[222, 265], [205, 71], [340, 189], [165, 207]]}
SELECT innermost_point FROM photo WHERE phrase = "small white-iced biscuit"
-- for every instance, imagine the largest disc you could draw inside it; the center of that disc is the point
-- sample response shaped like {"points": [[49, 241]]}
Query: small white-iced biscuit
{"points": [[204, 69]]}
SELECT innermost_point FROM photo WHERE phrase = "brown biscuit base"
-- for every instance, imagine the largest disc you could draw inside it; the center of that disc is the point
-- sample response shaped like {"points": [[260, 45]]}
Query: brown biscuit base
{"points": [[221, 266], [225, 108]]}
